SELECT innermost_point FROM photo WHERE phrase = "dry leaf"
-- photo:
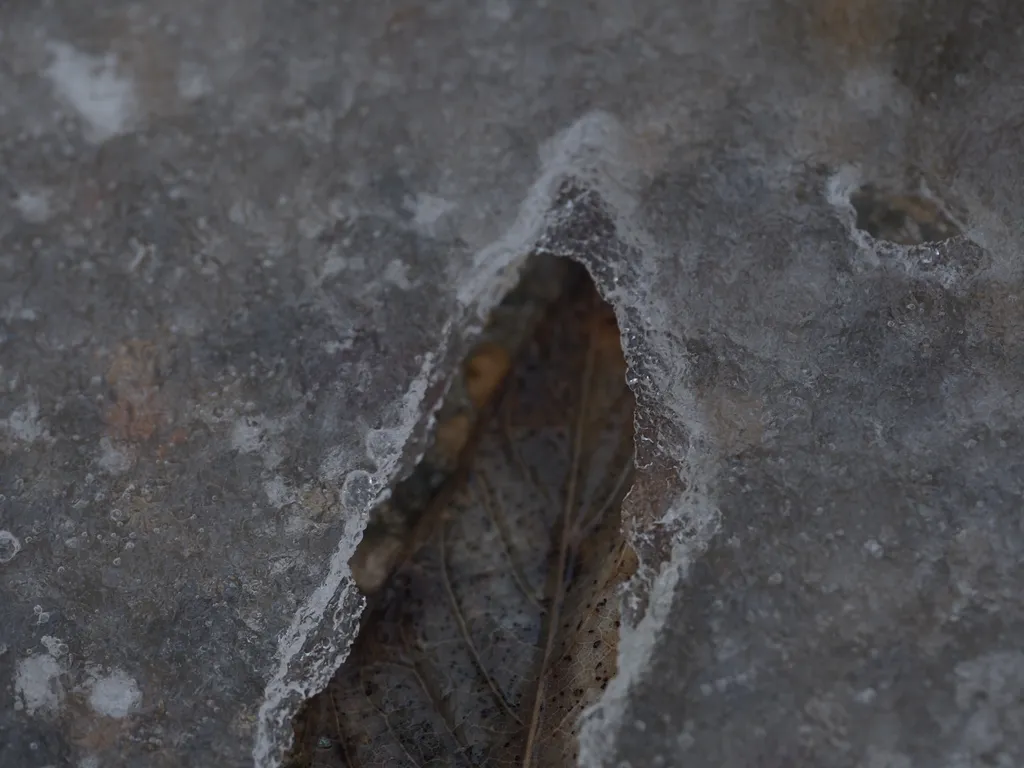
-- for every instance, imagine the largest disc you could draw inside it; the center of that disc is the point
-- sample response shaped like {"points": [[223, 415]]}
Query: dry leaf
{"points": [[486, 645]]}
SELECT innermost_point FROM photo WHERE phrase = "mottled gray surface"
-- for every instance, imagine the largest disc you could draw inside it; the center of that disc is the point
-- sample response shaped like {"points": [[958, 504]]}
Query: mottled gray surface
{"points": [[241, 242]]}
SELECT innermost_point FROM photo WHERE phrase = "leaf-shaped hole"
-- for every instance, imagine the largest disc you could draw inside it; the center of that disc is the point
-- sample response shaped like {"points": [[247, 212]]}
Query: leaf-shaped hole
{"points": [[902, 218], [499, 623]]}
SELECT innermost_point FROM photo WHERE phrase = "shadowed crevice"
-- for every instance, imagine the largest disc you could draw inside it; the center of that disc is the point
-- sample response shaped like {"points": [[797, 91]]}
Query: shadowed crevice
{"points": [[494, 571]]}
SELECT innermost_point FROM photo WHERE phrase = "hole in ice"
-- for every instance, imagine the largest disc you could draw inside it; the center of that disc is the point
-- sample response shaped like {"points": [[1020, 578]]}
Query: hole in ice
{"points": [[493, 571], [901, 218]]}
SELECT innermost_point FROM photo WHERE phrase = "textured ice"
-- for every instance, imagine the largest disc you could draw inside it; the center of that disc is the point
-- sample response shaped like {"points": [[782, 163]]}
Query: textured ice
{"points": [[245, 243], [102, 98], [114, 694], [37, 685], [9, 546]]}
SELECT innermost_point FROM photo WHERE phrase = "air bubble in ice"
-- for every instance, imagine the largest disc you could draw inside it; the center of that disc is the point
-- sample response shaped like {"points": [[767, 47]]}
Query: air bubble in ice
{"points": [[9, 546], [358, 490], [382, 444]]}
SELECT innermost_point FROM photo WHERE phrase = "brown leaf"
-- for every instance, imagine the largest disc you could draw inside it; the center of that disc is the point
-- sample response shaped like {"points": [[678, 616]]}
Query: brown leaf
{"points": [[487, 644]]}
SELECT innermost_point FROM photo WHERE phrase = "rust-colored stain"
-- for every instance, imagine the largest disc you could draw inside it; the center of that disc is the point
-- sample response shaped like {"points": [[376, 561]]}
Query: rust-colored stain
{"points": [[604, 330], [409, 14], [485, 370], [454, 434], [855, 29], [178, 437], [736, 420], [137, 412], [94, 733]]}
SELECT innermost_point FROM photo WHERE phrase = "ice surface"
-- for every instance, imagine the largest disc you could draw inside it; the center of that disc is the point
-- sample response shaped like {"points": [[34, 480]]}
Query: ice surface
{"points": [[114, 695], [245, 243]]}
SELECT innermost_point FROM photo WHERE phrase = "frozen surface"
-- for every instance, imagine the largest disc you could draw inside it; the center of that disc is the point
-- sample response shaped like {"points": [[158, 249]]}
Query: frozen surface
{"points": [[242, 243]]}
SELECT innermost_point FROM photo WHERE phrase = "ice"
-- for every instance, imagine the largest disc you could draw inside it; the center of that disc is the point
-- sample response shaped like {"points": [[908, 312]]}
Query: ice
{"points": [[114, 695], [829, 402], [10, 546], [103, 98]]}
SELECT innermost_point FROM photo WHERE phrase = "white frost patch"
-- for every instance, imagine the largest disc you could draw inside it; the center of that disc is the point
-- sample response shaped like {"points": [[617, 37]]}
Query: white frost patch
{"points": [[112, 459], [23, 424], [193, 82], [34, 206], [103, 97], [332, 468], [248, 435], [333, 265], [296, 525], [334, 347], [37, 685], [397, 273], [840, 187], [278, 492], [427, 211], [10, 546], [114, 695], [260, 435]]}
